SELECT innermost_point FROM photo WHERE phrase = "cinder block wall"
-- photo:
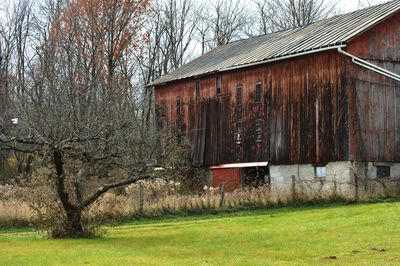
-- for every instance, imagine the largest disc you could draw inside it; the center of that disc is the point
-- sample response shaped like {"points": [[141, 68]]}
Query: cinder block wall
{"points": [[338, 177], [345, 178]]}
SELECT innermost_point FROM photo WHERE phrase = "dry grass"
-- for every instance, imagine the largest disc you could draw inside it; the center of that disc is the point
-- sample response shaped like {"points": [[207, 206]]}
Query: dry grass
{"points": [[14, 212], [162, 198], [13, 209], [158, 198]]}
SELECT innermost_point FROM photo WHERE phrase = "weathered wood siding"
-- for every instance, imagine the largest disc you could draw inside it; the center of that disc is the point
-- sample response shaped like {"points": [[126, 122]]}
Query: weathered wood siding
{"points": [[314, 109], [304, 111], [374, 99]]}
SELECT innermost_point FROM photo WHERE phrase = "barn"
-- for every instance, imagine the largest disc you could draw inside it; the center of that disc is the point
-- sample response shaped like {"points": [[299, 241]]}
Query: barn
{"points": [[312, 103]]}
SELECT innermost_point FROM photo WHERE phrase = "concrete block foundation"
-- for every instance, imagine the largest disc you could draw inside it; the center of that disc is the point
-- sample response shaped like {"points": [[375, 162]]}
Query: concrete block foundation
{"points": [[345, 178]]}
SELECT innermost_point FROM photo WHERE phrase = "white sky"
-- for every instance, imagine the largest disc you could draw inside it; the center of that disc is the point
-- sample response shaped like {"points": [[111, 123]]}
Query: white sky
{"points": [[352, 5], [345, 5]]}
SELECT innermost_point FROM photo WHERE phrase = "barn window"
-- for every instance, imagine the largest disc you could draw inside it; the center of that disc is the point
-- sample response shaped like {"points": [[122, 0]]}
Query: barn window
{"points": [[198, 90], [259, 129], [239, 120], [178, 106], [382, 171], [258, 92], [239, 96], [163, 108], [239, 127], [218, 84], [320, 171]]}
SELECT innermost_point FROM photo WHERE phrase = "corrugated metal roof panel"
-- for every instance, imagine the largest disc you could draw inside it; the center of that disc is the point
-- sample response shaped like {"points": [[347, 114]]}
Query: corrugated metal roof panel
{"points": [[324, 33]]}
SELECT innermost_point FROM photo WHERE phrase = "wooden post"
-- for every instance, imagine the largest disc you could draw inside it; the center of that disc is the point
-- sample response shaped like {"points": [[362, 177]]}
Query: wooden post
{"points": [[268, 182], [293, 187], [221, 200], [141, 199], [356, 186], [334, 188]]}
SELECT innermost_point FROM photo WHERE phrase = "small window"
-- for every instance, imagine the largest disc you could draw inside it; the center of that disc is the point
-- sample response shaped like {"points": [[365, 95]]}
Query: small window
{"points": [[320, 171], [218, 84], [198, 95], [239, 121], [258, 92], [259, 129], [382, 171], [239, 96], [178, 106], [163, 108], [239, 127]]}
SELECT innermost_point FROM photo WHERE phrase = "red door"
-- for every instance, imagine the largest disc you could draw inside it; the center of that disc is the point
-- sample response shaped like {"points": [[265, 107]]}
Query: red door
{"points": [[231, 177]]}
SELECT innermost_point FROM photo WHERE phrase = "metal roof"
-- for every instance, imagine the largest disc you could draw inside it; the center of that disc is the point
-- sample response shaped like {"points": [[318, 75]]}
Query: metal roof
{"points": [[327, 33]]}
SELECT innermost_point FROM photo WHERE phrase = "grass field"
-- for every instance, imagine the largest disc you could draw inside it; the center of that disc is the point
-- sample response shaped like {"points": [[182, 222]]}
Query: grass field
{"points": [[367, 234]]}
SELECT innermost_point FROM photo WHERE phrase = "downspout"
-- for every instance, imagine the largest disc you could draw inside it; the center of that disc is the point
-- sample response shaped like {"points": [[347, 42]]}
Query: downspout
{"points": [[372, 67]]}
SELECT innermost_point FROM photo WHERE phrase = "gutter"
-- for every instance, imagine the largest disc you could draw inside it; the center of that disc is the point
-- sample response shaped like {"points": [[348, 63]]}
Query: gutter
{"points": [[284, 57], [372, 67]]}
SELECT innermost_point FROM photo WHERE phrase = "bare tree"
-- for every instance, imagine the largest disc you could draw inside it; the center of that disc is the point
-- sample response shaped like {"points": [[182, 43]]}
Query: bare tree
{"points": [[203, 29], [365, 3], [22, 24], [7, 47], [80, 110], [278, 15], [264, 17], [180, 22], [226, 21], [170, 37], [221, 22], [15, 23]]}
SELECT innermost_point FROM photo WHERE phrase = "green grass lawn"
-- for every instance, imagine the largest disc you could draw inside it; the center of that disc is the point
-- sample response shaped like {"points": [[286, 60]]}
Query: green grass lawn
{"points": [[366, 234]]}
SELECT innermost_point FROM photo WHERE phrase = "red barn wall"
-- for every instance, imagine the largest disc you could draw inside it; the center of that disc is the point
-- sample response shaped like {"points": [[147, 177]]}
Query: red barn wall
{"points": [[303, 112], [230, 176], [375, 99]]}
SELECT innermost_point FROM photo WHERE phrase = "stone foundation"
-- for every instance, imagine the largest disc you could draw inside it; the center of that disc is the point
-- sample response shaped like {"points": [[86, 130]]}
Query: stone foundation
{"points": [[350, 179], [343, 178], [338, 178]]}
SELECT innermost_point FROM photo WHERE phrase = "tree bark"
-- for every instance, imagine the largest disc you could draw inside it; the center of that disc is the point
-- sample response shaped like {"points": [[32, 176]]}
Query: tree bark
{"points": [[73, 225]]}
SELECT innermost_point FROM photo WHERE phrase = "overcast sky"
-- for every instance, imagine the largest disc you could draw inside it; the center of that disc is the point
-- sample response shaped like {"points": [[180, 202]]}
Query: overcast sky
{"points": [[351, 5], [345, 5]]}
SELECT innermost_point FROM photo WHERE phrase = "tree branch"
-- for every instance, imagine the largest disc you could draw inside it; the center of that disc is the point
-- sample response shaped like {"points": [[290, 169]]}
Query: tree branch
{"points": [[109, 186]]}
